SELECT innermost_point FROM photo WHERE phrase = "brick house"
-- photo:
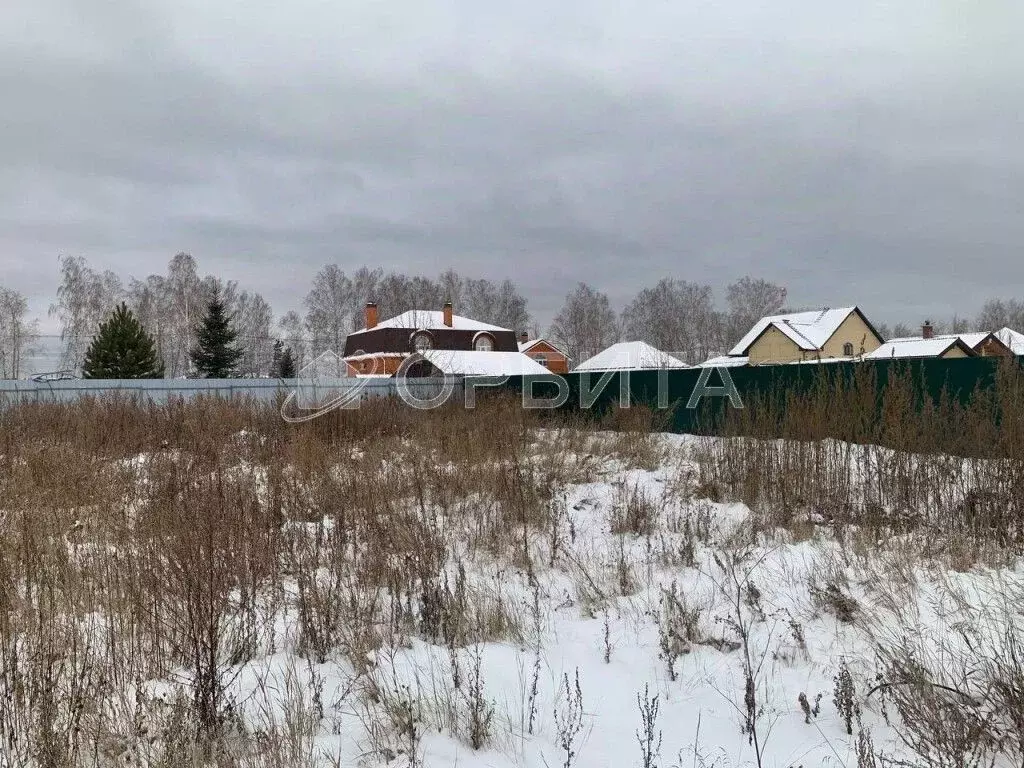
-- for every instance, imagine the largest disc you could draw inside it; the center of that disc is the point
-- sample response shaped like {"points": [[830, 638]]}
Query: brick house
{"points": [[544, 352], [381, 346]]}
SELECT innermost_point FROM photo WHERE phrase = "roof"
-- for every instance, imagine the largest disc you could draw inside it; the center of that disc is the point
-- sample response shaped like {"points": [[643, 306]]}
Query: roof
{"points": [[916, 347], [972, 340], [375, 356], [808, 330], [429, 319], [525, 345], [724, 361], [466, 363], [1011, 338], [630, 355]]}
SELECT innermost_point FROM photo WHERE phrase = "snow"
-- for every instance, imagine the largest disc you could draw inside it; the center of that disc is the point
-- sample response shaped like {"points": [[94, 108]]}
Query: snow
{"points": [[589, 625], [912, 347], [526, 345], [427, 319], [375, 355], [808, 330], [972, 340], [1011, 338], [465, 363], [724, 361], [630, 355]]}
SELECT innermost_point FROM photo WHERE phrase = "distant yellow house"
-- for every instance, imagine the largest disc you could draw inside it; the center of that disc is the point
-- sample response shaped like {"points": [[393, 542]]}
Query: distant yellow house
{"points": [[819, 334]]}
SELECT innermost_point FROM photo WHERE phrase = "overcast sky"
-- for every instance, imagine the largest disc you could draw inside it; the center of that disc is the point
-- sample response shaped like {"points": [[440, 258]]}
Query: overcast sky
{"points": [[858, 152]]}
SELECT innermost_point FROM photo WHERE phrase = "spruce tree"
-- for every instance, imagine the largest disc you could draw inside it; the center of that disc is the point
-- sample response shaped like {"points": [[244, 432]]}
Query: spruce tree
{"points": [[122, 350], [275, 359], [216, 356], [286, 365]]}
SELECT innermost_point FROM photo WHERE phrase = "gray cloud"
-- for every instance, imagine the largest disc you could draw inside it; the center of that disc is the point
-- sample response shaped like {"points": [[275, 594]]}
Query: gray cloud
{"points": [[861, 154]]}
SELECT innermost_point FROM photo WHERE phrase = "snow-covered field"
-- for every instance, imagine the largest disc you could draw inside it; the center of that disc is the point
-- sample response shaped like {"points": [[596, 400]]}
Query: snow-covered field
{"points": [[674, 616], [627, 619]]}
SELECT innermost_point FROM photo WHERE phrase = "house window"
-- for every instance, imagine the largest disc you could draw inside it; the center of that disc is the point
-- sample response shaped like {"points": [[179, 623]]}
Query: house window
{"points": [[421, 342], [848, 349], [542, 359], [484, 343]]}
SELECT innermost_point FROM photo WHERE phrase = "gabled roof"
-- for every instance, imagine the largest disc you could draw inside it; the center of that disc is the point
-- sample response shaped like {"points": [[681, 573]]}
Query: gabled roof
{"points": [[429, 319], [527, 345], [808, 330], [1011, 338], [972, 340], [630, 355], [918, 347], [977, 338], [465, 363]]}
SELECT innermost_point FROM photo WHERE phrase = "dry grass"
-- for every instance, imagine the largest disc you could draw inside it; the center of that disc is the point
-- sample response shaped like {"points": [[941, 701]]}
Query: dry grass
{"points": [[142, 543], [948, 476]]}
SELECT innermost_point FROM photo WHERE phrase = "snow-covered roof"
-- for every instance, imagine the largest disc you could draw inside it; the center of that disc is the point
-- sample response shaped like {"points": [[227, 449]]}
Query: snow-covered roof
{"points": [[913, 347], [1011, 338], [724, 361], [428, 319], [630, 355], [465, 363], [375, 355], [525, 345], [970, 339], [808, 330]]}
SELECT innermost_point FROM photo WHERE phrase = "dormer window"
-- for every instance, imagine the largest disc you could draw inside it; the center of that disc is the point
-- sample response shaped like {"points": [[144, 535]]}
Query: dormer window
{"points": [[848, 349], [422, 342], [483, 343]]}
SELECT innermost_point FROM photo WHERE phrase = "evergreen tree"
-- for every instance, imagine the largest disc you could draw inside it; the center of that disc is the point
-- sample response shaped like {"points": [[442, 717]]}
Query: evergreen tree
{"points": [[286, 365], [275, 358], [122, 350], [216, 356]]}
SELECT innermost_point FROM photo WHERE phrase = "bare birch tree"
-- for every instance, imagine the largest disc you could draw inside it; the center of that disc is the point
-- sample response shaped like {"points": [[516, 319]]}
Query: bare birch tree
{"points": [[586, 323], [84, 299], [749, 299], [18, 334], [253, 318], [329, 310], [675, 316]]}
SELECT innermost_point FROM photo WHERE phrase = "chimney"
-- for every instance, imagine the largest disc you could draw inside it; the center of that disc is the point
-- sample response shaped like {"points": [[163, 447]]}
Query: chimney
{"points": [[448, 314], [371, 315], [523, 337], [927, 331]]}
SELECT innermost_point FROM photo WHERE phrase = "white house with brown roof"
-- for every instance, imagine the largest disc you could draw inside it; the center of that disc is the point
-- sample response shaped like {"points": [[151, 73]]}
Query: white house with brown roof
{"points": [[808, 336]]}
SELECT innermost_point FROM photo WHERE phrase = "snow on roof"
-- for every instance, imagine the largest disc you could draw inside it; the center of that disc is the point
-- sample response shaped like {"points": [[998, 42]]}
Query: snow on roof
{"points": [[428, 319], [808, 330], [1011, 338], [630, 355], [525, 345], [970, 339], [724, 361], [913, 347], [375, 355], [465, 363]]}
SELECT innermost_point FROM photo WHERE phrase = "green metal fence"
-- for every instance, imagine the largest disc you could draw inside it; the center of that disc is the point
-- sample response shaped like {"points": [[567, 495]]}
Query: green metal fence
{"points": [[671, 391]]}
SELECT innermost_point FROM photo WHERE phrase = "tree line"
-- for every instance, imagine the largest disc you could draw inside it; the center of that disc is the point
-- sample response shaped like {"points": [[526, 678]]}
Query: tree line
{"points": [[171, 309]]}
